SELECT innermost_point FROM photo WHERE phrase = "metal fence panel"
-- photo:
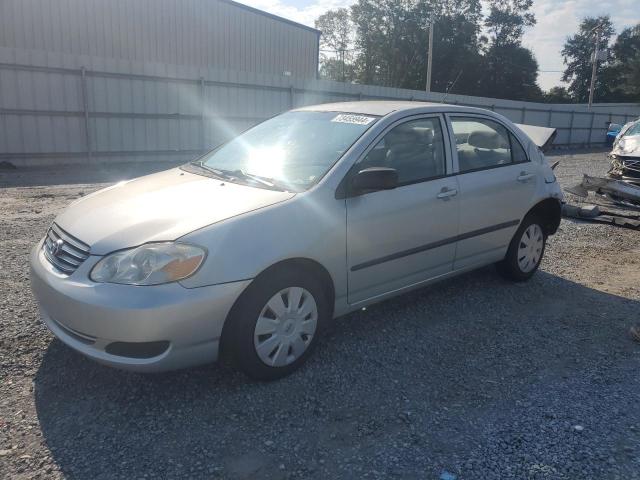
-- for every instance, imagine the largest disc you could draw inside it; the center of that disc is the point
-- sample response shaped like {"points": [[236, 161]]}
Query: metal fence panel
{"points": [[59, 108]]}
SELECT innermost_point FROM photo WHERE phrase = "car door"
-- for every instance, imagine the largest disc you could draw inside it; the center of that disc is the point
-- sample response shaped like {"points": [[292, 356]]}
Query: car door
{"points": [[497, 184], [399, 237]]}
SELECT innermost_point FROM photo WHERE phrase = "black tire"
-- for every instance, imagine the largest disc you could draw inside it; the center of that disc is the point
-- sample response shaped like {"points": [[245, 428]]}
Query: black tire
{"points": [[510, 267], [238, 336]]}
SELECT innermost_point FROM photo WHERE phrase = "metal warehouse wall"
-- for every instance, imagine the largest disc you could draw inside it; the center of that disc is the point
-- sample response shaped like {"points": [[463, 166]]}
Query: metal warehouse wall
{"points": [[57, 108], [201, 33]]}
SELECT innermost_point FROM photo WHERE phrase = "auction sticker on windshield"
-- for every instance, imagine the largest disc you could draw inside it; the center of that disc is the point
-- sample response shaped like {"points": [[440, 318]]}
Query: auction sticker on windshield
{"points": [[355, 119]]}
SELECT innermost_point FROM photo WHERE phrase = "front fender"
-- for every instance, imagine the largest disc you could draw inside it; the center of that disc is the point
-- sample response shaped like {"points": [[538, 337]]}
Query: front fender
{"points": [[312, 225]]}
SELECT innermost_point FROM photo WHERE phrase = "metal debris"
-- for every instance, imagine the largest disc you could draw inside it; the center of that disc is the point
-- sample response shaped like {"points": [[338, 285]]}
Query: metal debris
{"points": [[575, 211], [593, 213], [618, 191]]}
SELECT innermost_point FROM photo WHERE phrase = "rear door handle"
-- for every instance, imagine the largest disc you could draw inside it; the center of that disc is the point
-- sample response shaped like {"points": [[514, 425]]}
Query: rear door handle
{"points": [[524, 176], [445, 193]]}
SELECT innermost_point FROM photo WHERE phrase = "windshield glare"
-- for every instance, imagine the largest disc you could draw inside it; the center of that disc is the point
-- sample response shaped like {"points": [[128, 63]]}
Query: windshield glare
{"points": [[295, 149]]}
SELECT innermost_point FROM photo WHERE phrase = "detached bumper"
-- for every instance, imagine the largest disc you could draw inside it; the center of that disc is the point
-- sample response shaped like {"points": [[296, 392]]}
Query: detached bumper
{"points": [[152, 328]]}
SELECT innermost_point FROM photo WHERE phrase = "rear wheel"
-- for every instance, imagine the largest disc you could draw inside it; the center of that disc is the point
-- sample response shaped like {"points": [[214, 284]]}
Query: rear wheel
{"points": [[525, 251], [276, 323]]}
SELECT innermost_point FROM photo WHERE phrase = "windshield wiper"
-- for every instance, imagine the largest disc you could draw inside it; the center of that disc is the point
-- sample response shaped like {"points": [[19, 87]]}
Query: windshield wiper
{"points": [[201, 166], [221, 174], [280, 185], [272, 182], [240, 174], [255, 178]]}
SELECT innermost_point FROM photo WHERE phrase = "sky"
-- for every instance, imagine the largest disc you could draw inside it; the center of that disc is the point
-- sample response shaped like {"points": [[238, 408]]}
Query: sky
{"points": [[557, 20]]}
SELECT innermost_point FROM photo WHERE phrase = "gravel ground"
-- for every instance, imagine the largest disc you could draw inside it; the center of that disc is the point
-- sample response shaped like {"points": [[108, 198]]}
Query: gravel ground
{"points": [[473, 378]]}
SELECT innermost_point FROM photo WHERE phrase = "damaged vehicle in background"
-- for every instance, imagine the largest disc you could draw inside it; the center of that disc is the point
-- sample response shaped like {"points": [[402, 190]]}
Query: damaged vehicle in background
{"points": [[625, 156]]}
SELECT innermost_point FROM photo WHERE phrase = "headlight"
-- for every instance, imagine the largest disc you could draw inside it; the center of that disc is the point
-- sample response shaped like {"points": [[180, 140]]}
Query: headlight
{"points": [[150, 264]]}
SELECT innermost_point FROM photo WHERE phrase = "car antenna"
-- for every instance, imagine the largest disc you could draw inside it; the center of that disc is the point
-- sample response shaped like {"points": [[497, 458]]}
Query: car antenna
{"points": [[450, 86]]}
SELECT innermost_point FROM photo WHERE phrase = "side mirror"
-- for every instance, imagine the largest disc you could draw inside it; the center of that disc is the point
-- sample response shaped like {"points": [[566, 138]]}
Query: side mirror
{"points": [[373, 179]]}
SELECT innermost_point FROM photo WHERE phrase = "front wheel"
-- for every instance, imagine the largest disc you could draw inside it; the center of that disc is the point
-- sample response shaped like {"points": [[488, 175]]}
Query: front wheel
{"points": [[276, 324], [525, 251]]}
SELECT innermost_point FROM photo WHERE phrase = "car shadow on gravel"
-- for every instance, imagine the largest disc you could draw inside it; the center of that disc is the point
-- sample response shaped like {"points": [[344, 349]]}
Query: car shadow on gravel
{"points": [[417, 384]]}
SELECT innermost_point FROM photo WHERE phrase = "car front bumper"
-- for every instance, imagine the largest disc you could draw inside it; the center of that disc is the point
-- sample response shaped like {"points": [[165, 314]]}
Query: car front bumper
{"points": [[626, 169], [141, 328]]}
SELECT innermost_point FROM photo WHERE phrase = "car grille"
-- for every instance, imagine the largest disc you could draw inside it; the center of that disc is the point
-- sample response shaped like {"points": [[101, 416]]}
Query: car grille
{"points": [[65, 252], [631, 162], [629, 167]]}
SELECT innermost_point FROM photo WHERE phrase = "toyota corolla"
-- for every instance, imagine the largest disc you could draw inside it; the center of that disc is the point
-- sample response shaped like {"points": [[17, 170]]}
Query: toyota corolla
{"points": [[254, 248]]}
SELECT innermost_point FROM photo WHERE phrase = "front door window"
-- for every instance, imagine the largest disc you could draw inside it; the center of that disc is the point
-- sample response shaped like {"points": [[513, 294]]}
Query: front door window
{"points": [[415, 149]]}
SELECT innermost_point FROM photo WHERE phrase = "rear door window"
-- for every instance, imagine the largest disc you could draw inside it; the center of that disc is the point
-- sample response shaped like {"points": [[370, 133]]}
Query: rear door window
{"points": [[482, 143], [518, 155]]}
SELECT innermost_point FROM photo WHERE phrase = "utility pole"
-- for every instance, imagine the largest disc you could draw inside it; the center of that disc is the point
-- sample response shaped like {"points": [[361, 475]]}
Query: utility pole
{"points": [[594, 67], [428, 86]]}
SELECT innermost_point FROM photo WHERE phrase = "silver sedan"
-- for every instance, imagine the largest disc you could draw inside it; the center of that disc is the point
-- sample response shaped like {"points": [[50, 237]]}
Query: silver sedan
{"points": [[254, 248]]}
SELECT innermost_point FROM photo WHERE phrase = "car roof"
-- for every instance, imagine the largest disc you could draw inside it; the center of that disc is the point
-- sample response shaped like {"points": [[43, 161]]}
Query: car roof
{"points": [[382, 107], [540, 136]]}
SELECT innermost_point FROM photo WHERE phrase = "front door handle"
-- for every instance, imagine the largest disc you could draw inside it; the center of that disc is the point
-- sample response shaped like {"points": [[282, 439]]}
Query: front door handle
{"points": [[524, 176], [445, 193]]}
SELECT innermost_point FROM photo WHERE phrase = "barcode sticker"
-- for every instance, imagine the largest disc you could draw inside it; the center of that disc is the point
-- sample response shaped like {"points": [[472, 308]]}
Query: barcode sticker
{"points": [[355, 119]]}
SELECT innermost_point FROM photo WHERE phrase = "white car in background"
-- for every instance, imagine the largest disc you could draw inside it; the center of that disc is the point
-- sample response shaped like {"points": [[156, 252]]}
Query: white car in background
{"points": [[255, 247], [625, 156]]}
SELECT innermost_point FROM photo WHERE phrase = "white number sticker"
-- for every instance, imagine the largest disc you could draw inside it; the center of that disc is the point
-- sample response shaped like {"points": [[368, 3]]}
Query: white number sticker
{"points": [[355, 119]]}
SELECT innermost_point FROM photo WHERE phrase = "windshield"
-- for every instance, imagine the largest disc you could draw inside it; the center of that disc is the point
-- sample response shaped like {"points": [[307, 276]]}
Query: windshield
{"points": [[292, 151], [633, 130]]}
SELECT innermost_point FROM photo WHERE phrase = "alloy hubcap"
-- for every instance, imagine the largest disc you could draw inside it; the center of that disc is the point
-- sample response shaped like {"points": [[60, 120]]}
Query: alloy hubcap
{"points": [[530, 248], [286, 326]]}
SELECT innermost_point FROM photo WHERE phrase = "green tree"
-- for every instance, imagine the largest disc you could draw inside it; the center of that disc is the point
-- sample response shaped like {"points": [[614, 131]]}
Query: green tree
{"points": [[337, 69], [335, 45], [507, 21], [626, 64], [456, 55], [392, 38], [509, 70], [577, 53], [388, 32], [557, 95]]}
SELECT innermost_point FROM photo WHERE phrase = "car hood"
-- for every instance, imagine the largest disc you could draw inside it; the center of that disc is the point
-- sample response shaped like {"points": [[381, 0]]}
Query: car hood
{"points": [[627, 146], [159, 207]]}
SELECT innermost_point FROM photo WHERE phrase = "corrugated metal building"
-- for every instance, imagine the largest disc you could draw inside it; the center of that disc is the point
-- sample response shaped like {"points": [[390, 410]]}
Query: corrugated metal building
{"points": [[122, 80], [218, 34]]}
